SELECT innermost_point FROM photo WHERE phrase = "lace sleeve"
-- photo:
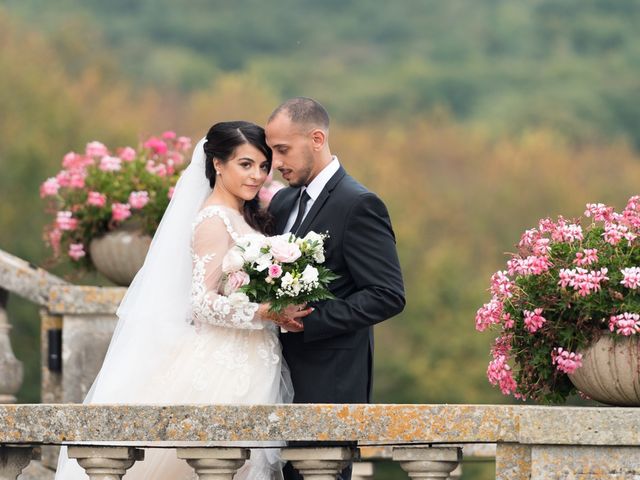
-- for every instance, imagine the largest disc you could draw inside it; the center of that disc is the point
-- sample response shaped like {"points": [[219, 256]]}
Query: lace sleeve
{"points": [[212, 238]]}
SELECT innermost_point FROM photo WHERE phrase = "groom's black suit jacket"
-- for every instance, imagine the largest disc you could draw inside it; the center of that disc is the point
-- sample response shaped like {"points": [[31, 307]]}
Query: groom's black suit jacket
{"points": [[331, 360]]}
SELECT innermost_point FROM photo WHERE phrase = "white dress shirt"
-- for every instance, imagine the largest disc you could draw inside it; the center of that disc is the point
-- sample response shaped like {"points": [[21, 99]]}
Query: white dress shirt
{"points": [[313, 190]]}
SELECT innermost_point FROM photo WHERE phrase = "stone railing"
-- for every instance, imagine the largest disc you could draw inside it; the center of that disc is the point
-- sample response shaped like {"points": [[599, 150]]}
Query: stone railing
{"points": [[531, 442]]}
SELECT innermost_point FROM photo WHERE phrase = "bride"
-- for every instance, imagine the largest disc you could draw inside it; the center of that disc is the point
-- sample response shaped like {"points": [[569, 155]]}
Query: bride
{"points": [[180, 338]]}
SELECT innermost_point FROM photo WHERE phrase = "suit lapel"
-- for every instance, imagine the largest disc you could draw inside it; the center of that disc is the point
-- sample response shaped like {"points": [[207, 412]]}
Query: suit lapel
{"points": [[320, 201]]}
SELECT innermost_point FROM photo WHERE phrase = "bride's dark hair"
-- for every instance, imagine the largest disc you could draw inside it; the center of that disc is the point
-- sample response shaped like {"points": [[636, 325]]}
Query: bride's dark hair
{"points": [[222, 140]]}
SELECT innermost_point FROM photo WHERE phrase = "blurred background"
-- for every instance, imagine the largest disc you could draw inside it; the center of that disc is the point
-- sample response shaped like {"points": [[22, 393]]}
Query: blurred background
{"points": [[471, 119]]}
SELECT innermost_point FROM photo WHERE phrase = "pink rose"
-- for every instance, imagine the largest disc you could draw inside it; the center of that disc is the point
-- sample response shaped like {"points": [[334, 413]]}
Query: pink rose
{"points": [[96, 149], [138, 199], [96, 199], [110, 164], [76, 251], [65, 221], [275, 271], [284, 251], [49, 187], [120, 211], [237, 280], [128, 154]]}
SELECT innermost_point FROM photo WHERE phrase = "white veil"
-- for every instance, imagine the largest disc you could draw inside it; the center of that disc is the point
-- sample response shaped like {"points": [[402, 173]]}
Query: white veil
{"points": [[156, 307]]}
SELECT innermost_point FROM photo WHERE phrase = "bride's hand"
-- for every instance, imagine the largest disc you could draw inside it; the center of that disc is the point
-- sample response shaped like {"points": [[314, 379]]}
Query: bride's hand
{"points": [[288, 318]]}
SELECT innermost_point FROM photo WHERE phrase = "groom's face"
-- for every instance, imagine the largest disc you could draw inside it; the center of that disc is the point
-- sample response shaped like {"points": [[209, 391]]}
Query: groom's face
{"points": [[292, 150]]}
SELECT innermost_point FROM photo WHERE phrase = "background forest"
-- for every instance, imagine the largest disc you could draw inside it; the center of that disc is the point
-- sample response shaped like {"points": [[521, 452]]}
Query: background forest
{"points": [[471, 119]]}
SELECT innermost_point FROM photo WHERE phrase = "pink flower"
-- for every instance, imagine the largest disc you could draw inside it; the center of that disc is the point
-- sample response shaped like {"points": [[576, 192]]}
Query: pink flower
{"points": [[502, 346], [177, 158], [529, 238], [508, 321], [156, 145], [587, 257], [96, 199], [531, 265], [567, 232], [76, 251], [614, 233], [583, 281], [565, 361], [284, 251], [120, 211], [169, 135], [74, 161], [533, 320], [501, 285], [237, 280], [170, 192], [599, 211], [110, 164], [96, 149], [76, 179], [138, 200], [65, 221], [183, 143], [128, 154], [275, 271], [63, 178], [499, 373], [625, 324], [266, 193], [631, 277], [489, 314], [55, 236], [160, 169], [49, 187]]}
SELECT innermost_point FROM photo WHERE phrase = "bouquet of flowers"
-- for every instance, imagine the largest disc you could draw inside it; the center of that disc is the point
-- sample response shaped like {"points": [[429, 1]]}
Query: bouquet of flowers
{"points": [[98, 190], [283, 269], [570, 282]]}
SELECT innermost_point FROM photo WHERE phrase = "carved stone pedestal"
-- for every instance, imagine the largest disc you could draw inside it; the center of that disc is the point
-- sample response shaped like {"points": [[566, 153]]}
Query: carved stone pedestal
{"points": [[428, 462], [13, 460], [322, 463], [214, 463], [105, 463]]}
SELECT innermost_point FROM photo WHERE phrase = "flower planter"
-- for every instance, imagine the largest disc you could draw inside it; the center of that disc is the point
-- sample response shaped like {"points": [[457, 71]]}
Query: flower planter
{"points": [[610, 371], [119, 254]]}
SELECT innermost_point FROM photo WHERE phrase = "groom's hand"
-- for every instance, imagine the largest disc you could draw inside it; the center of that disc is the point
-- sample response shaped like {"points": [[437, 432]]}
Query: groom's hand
{"points": [[290, 318]]}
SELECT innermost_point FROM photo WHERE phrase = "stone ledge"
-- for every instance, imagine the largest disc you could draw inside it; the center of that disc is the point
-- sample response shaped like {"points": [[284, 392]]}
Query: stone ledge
{"points": [[73, 299]]}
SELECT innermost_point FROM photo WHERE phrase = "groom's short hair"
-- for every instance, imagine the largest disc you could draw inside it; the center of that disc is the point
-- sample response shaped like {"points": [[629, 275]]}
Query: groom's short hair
{"points": [[303, 111]]}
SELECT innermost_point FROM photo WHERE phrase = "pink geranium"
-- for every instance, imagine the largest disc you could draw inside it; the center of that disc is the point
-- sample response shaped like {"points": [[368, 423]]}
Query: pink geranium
{"points": [[76, 251], [156, 145], [120, 211], [49, 187], [138, 200], [65, 221], [127, 154], [110, 164], [533, 321], [96, 199], [96, 149]]}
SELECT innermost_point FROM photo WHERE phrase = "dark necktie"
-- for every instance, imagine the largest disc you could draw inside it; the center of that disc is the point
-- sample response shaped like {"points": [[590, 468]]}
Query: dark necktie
{"points": [[302, 206]]}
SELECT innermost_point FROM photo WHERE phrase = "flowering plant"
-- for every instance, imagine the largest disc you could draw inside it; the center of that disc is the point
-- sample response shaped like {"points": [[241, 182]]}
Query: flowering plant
{"points": [[96, 191], [283, 269], [566, 286]]}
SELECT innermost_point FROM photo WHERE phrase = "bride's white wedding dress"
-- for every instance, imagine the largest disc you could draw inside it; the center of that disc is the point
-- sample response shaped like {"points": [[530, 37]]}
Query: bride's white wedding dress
{"points": [[223, 355]]}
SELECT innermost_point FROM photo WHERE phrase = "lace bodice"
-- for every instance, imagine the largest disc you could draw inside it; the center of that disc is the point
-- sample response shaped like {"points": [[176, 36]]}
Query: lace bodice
{"points": [[215, 231]]}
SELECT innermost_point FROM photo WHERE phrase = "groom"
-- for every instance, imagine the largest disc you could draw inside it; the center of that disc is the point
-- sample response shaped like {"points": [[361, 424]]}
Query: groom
{"points": [[330, 350]]}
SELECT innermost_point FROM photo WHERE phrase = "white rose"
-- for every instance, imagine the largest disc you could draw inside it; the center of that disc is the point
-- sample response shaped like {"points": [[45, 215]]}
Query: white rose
{"points": [[286, 280], [284, 251], [314, 237], [310, 274], [263, 262], [232, 261], [252, 245], [318, 256]]}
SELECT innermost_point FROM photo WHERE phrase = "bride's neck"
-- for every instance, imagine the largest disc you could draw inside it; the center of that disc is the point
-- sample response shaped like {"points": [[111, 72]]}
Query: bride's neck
{"points": [[221, 197]]}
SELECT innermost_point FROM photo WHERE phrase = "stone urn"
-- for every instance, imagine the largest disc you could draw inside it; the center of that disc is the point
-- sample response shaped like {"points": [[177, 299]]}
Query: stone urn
{"points": [[119, 254], [610, 371]]}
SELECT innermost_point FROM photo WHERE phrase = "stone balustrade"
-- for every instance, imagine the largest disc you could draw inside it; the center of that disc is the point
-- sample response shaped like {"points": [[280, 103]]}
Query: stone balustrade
{"points": [[531, 442]]}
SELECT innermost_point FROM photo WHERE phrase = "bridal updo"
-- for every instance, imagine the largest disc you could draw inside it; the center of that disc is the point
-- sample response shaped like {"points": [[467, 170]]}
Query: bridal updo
{"points": [[222, 140]]}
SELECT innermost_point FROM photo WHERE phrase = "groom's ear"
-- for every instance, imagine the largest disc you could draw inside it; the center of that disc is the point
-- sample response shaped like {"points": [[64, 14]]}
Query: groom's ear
{"points": [[318, 139]]}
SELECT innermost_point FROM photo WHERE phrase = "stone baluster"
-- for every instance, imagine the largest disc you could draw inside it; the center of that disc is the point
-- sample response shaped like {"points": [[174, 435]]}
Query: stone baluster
{"points": [[322, 463], [362, 471], [10, 368], [13, 459], [105, 463], [214, 463], [428, 462]]}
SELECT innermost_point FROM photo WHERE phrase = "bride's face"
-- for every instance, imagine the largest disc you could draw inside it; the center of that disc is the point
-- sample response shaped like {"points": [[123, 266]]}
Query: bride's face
{"points": [[244, 173]]}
